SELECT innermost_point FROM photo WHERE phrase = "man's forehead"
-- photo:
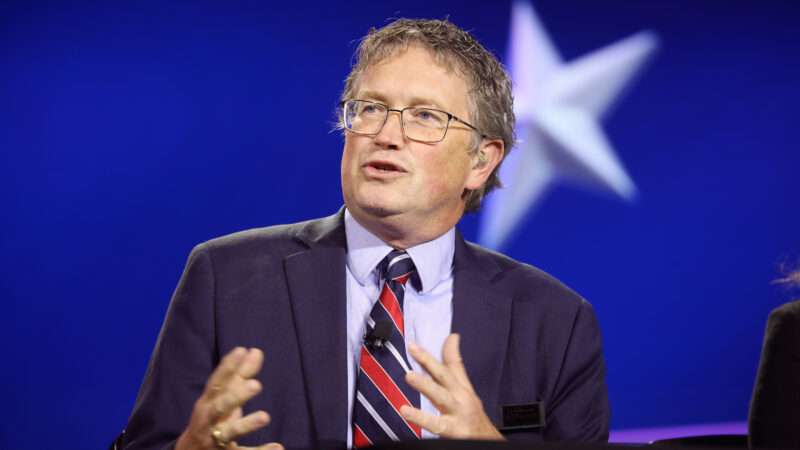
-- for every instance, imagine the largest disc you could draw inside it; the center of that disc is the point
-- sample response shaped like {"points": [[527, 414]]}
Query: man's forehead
{"points": [[421, 89], [441, 58]]}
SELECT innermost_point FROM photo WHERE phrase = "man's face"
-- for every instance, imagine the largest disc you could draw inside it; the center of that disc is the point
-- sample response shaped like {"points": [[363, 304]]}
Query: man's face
{"points": [[387, 177]]}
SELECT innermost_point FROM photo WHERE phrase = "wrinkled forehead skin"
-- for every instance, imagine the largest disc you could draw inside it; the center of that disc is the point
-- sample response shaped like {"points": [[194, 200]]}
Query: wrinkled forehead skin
{"points": [[444, 59]]}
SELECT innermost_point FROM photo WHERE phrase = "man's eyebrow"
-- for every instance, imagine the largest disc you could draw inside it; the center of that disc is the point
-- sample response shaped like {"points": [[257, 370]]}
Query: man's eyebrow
{"points": [[414, 101], [426, 101], [372, 95]]}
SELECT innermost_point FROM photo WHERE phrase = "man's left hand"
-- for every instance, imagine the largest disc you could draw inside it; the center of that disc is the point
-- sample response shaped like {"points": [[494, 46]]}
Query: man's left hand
{"points": [[449, 389]]}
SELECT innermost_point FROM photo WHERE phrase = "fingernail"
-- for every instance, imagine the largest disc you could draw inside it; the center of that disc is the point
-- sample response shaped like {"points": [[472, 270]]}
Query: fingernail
{"points": [[413, 347]]}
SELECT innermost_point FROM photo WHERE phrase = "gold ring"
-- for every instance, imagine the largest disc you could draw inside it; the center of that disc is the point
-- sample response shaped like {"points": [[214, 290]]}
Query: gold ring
{"points": [[216, 434]]}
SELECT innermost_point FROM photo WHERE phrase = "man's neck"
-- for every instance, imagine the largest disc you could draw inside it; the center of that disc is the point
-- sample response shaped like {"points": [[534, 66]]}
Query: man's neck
{"points": [[402, 233]]}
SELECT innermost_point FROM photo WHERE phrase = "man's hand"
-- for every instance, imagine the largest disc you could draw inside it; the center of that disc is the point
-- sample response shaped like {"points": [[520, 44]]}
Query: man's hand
{"points": [[450, 391], [217, 419]]}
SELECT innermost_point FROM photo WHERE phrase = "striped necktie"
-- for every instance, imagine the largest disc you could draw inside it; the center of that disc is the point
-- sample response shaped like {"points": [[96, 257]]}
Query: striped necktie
{"points": [[381, 388]]}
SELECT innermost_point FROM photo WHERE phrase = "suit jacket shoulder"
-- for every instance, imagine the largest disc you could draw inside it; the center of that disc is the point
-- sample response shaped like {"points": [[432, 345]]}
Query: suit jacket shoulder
{"points": [[527, 338], [280, 239], [524, 279], [254, 288]]}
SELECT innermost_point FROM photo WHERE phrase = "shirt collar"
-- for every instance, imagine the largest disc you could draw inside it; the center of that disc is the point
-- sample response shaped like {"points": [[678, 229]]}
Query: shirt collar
{"points": [[433, 259]]}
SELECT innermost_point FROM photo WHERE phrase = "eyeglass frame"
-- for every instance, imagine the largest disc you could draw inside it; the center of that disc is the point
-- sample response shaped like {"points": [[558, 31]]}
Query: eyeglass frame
{"points": [[450, 118]]}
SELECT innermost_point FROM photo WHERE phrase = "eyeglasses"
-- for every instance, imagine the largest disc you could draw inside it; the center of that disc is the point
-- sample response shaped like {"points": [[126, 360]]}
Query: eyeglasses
{"points": [[424, 125]]}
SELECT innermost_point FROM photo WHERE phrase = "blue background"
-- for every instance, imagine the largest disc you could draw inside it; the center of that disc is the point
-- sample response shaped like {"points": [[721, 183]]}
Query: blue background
{"points": [[132, 132]]}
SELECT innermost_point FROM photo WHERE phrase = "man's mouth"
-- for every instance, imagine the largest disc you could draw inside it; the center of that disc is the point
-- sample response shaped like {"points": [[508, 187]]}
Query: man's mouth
{"points": [[384, 166]]}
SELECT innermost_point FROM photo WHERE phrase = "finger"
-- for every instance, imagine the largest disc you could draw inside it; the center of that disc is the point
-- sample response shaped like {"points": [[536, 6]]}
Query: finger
{"points": [[270, 446], [432, 423], [236, 414], [235, 396], [441, 398], [233, 429], [251, 364], [224, 371], [437, 370], [451, 357]]}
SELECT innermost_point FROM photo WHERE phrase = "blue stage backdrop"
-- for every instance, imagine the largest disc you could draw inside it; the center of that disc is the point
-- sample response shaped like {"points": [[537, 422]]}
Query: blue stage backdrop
{"points": [[131, 132]]}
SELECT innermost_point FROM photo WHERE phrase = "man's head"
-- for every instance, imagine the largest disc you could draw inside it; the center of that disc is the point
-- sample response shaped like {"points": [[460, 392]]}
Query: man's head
{"points": [[434, 64]]}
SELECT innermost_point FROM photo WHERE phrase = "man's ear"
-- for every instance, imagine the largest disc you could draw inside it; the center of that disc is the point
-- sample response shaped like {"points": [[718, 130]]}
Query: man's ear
{"points": [[486, 158]]}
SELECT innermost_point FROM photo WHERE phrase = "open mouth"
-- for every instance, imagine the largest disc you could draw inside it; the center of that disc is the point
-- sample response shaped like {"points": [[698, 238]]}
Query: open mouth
{"points": [[384, 166]]}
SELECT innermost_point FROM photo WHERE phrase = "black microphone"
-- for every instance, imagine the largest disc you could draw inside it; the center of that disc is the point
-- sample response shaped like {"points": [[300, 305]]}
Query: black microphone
{"points": [[377, 337]]}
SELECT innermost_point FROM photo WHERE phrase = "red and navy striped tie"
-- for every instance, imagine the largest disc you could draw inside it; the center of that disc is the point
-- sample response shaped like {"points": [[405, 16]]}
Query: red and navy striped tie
{"points": [[381, 388]]}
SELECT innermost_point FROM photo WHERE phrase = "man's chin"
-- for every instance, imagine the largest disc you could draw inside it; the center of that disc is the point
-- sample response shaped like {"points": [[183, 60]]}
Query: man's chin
{"points": [[375, 207], [380, 211]]}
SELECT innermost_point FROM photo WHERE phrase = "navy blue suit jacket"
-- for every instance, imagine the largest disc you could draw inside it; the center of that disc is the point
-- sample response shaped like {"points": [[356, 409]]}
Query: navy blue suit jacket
{"points": [[525, 338]]}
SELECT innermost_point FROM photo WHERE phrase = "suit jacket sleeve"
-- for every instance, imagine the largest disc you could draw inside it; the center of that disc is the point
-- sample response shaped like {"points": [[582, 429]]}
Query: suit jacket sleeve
{"points": [[578, 409], [183, 359]]}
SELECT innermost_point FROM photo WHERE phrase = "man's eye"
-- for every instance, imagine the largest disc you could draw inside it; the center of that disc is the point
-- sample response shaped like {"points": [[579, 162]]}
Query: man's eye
{"points": [[428, 116], [369, 109]]}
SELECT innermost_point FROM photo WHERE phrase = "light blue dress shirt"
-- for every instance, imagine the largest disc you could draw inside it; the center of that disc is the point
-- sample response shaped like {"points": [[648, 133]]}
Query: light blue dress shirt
{"points": [[427, 314]]}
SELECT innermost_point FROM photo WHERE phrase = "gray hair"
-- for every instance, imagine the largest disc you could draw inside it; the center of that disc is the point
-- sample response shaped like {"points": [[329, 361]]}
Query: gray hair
{"points": [[490, 99], [790, 278]]}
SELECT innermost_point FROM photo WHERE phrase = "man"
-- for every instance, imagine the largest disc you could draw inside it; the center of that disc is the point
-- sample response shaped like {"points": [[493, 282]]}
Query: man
{"points": [[349, 310]]}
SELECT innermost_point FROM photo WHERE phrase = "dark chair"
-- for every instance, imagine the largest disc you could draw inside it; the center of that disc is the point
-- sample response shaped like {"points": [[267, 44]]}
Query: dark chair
{"points": [[710, 440], [117, 443]]}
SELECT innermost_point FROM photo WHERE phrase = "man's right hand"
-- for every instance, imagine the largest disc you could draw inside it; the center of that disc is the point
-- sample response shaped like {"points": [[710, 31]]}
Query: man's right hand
{"points": [[217, 419]]}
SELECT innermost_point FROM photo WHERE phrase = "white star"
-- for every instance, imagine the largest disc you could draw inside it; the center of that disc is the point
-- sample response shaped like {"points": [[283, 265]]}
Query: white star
{"points": [[558, 108]]}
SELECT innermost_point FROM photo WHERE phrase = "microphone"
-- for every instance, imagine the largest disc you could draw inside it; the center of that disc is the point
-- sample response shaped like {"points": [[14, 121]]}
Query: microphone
{"points": [[377, 337]]}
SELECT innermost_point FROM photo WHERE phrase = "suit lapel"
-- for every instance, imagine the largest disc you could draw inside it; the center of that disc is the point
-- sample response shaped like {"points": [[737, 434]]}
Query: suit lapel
{"points": [[317, 288], [481, 315]]}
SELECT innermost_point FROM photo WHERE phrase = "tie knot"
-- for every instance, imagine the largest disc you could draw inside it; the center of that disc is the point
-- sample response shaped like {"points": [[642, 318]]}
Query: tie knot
{"points": [[397, 265]]}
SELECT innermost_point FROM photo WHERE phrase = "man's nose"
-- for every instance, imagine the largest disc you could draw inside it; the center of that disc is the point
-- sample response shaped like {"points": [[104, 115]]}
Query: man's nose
{"points": [[391, 135]]}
